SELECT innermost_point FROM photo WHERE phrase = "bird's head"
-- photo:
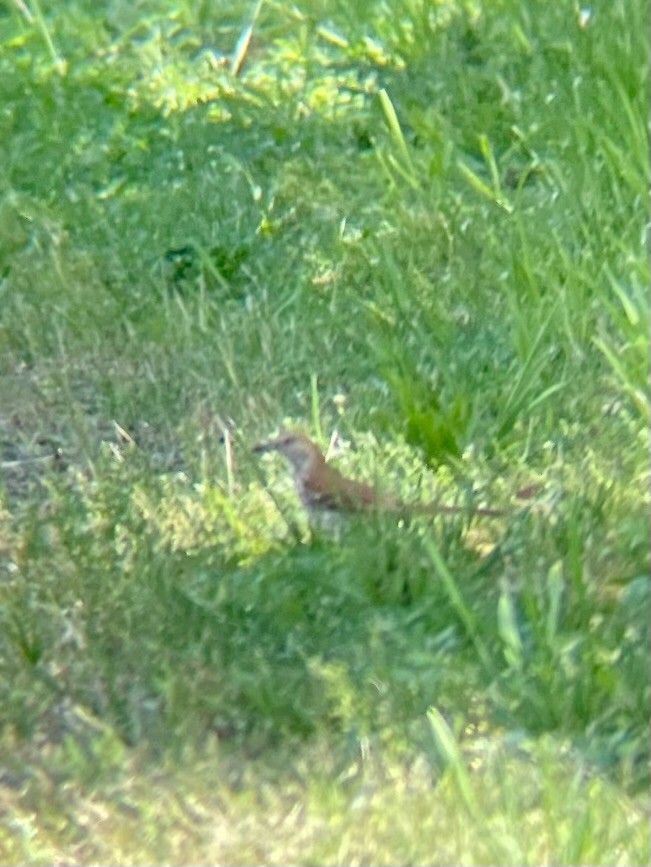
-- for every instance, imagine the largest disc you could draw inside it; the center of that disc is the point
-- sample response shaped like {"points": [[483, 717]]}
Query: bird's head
{"points": [[300, 451]]}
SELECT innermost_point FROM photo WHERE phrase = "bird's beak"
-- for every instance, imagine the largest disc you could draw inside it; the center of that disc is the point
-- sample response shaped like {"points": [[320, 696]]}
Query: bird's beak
{"points": [[260, 448], [271, 445]]}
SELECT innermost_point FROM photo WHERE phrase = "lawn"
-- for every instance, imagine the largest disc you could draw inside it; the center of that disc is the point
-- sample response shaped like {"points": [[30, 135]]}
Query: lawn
{"points": [[419, 233]]}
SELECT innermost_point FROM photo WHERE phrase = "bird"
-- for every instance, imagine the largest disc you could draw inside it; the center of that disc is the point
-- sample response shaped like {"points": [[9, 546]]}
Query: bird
{"points": [[324, 491]]}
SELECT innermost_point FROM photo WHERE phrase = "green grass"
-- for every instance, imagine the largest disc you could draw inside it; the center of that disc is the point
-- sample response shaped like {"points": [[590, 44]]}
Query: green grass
{"points": [[423, 226]]}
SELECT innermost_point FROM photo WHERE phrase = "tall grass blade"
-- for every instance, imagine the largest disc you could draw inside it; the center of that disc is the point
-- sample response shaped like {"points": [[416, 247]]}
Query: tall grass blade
{"points": [[449, 751], [458, 603]]}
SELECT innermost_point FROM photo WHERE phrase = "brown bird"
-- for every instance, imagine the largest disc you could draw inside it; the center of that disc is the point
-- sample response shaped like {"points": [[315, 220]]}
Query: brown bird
{"points": [[325, 491]]}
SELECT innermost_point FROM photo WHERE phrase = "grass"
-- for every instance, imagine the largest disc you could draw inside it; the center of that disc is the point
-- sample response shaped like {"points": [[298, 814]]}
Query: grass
{"points": [[424, 227]]}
